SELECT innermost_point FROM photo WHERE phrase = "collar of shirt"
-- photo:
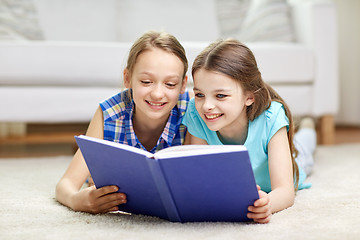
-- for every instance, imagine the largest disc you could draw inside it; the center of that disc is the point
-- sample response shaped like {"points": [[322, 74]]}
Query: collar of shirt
{"points": [[167, 135]]}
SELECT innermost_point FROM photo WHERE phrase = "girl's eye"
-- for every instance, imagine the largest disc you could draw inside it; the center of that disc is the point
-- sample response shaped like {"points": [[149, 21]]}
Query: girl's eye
{"points": [[199, 95], [171, 84], [145, 82], [221, 95]]}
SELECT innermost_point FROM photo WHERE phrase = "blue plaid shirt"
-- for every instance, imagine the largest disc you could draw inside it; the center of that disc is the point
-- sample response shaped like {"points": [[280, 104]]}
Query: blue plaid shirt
{"points": [[118, 113]]}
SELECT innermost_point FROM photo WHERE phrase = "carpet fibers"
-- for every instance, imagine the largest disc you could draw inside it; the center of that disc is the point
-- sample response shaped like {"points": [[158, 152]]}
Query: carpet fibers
{"points": [[328, 210]]}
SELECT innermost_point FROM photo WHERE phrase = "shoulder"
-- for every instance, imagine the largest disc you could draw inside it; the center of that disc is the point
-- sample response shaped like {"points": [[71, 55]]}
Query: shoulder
{"points": [[275, 110], [276, 118], [115, 106], [269, 122], [270, 115]]}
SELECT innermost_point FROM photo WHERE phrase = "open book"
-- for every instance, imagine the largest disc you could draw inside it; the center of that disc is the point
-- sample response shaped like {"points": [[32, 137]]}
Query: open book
{"points": [[187, 183]]}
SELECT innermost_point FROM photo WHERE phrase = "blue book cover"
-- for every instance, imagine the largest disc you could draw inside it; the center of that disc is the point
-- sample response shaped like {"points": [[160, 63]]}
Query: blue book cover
{"points": [[189, 183]]}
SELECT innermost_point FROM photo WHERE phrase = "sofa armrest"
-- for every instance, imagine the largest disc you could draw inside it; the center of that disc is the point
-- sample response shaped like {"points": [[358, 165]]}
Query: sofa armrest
{"points": [[315, 25]]}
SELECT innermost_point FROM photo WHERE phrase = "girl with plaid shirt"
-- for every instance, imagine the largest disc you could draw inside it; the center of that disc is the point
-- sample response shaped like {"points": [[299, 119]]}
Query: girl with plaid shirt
{"points": [[147, 115]]}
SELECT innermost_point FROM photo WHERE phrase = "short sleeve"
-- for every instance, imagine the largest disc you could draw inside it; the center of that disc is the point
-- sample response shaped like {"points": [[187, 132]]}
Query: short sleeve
{"points": [[114, 107], [276, 119]]}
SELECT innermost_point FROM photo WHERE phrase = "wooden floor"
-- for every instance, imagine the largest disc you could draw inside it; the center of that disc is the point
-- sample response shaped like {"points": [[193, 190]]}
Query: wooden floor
{"points": [[43, 140], [52, 140]]}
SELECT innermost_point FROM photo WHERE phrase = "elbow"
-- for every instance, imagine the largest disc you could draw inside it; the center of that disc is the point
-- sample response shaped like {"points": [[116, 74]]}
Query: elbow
{"points": [[60, 195], [291, 201], [58, 192]]}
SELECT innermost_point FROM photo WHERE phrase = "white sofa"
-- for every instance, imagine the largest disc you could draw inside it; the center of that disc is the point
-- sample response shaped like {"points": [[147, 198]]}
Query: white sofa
{"points": [[58, 82]]}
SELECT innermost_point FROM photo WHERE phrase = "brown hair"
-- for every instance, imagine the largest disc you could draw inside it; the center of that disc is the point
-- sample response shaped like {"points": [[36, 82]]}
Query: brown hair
{"points": [[161, 40], [236, 60]]}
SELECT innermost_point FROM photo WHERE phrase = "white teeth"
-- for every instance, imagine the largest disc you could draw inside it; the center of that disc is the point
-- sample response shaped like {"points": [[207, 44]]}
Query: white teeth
{"points": [[213, 116], [155, 104]]}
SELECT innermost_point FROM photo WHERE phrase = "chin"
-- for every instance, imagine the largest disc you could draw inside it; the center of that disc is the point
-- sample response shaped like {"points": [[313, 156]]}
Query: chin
{"points": [[212, 127], [157, 116]]}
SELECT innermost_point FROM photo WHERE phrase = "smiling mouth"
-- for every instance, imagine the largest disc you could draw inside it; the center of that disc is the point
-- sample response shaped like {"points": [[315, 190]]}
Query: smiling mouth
{"points": [[212, 116], [155, 104]]}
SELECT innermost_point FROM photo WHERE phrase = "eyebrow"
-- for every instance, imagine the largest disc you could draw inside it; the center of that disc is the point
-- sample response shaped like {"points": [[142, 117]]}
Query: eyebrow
{"points": [[170, 76], [217, 90]]}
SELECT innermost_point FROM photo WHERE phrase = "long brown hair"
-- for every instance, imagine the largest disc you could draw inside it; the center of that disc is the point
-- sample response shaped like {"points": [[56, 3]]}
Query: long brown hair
{"points": [[237, 61]]}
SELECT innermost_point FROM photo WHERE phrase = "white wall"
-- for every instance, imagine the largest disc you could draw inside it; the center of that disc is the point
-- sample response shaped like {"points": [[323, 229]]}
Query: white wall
{"points": [[349, 54]]}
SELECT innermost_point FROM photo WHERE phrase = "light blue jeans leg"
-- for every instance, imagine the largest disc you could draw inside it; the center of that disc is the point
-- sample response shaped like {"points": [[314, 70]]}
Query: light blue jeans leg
{"points": [[305, 143]]}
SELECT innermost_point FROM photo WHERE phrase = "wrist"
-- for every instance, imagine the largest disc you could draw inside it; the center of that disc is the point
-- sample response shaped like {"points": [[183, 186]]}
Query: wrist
{"points": [[73, 203]]}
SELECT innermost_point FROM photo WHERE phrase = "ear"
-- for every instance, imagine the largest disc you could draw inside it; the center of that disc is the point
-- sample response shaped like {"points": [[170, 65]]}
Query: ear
{"points": [[127, 81], [184, 84], [249, 98]]}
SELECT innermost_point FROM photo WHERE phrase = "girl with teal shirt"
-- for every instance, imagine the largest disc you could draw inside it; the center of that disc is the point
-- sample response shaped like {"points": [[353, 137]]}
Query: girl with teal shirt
{"points": [[233, 105]]}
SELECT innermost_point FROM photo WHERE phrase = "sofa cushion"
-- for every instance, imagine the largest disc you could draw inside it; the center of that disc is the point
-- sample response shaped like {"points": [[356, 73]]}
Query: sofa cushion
{"points": [[255, 20], [188, 20], [284, 63]]}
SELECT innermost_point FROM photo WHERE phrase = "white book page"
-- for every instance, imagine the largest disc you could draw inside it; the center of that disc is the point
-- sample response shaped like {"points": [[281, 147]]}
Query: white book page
{"points": [[190, 150], [119, 145]]}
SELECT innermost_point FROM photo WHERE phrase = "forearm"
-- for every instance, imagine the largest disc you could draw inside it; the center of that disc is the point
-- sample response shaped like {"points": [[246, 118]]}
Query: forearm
{"points": [[281, 174], [65, 191], [281, 198]]}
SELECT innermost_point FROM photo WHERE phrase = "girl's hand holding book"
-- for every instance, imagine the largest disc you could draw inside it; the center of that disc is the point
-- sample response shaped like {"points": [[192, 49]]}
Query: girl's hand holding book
{"points": [[102, 200], [261, 210]]}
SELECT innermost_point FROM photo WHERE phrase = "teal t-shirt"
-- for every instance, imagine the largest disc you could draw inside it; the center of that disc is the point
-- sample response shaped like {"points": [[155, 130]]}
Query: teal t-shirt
{"points": [[260, 131]]}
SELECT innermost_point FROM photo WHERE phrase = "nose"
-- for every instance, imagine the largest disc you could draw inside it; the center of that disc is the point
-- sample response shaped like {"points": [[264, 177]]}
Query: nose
{"points": [[208, 105], [157, 92]]}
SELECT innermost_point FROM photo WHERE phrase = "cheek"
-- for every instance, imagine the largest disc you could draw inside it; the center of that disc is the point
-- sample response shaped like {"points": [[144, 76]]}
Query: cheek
{"points": [[138, 92], [173, 93], [198, 105]]}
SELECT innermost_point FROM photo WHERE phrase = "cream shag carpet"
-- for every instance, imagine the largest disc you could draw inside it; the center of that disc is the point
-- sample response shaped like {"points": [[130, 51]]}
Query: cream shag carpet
{"points": [[328, 210]]}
